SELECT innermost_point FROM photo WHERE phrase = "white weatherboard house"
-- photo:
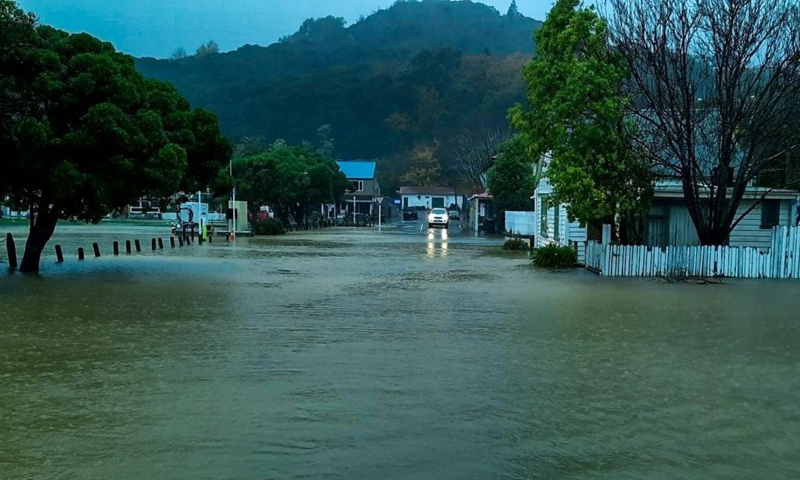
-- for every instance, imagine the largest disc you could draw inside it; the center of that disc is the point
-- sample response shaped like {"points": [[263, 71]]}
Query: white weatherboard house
{"points": [[668, 222], [553, 223], [430, 197]]}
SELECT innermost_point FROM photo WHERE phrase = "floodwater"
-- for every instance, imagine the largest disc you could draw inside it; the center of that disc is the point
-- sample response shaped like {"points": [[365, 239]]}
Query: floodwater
{"points": [[351, 354]]}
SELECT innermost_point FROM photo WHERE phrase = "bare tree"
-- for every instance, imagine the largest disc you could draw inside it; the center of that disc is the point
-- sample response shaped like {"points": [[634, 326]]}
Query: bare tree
{"points": [[714, 86], [178, 54], [474, 150]]}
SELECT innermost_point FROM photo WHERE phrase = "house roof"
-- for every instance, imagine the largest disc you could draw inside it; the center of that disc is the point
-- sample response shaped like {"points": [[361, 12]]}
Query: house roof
{"points": [[481, 196], [359, 169], [674, 189], [427, 191]]}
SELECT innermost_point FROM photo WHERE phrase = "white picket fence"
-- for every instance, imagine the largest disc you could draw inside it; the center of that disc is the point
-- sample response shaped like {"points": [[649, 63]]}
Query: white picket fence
{"points": [[781, 261]]}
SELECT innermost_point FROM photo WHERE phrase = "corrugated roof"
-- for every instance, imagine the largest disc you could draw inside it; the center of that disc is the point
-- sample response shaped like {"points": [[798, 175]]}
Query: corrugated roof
{"points": [[359, 169], [427, 191]]}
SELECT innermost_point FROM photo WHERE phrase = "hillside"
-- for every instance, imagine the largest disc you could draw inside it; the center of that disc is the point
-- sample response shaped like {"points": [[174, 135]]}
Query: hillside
{"points": [[402, 76]]}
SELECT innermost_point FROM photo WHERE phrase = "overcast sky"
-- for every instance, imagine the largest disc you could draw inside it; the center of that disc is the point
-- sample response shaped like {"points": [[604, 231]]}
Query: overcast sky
{"points": [[157, 27]]}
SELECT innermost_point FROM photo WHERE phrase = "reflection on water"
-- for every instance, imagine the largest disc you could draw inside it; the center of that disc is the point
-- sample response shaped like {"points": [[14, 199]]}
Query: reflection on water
{"points": [[347, 354], [437, 248]]}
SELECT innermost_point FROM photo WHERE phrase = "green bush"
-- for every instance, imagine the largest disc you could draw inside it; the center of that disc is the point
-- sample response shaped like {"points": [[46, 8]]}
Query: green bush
{"points": [[516, 245], [555, 256], [269, 226]]}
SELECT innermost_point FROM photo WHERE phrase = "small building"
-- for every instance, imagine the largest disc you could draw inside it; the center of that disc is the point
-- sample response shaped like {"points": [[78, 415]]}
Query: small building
{"points": [[481, 212], [430, 197], [669, 223], [362, 197]]}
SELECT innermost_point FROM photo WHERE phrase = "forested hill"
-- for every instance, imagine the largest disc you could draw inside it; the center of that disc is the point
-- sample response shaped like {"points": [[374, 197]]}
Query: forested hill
{"points": [[404, 76]]}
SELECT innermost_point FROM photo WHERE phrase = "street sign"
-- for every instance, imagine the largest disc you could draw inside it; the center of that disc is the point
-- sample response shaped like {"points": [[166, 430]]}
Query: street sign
{"points": [[379, 199]]}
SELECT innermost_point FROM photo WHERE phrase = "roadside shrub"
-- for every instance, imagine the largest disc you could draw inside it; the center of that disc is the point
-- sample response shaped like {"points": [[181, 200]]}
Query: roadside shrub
{"points": [[270, 226], [516, 245], [555, 256]]}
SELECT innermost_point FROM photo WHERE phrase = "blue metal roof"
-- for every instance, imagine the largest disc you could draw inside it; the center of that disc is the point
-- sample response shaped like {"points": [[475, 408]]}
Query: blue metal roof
{"points": [[358, 169]]}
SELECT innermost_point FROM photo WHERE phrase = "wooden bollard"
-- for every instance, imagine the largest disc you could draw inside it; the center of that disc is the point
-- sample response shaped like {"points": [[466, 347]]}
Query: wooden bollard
{"points": [[160, 244], [11, 248], [96, 249], [138, 245], [172, 242], [128, 247], [81, 255], [59, 254], [180, 241], [116, 248], [153, 244]]}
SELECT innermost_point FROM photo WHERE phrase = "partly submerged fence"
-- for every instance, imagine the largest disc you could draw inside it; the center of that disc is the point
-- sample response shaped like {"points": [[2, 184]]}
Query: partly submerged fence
{"points": [[782, 260]]}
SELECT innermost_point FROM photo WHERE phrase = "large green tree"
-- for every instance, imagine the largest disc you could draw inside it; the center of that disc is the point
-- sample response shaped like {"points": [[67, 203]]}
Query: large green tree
{"points": [[84, 133], [512, 178], [575, 118], [291, 180]]}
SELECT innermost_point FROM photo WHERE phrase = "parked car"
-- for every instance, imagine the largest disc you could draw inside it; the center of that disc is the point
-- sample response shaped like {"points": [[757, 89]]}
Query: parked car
{"points": [[410, 215], [455, 215], [438, 217]]}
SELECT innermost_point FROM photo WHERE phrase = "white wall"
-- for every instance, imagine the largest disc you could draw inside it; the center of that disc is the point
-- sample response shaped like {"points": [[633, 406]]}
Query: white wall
{"points": [[427, 200], [568, 231], [521, 223]]}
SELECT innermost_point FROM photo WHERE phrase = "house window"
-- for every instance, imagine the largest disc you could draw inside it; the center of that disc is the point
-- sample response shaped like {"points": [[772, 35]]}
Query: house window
{"points": [[543, 216], [358, 186], [770, 213], [557, 221]]}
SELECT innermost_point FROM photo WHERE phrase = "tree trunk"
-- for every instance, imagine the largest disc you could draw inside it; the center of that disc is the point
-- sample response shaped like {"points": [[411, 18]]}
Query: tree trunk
{"points": [[41, 231]]}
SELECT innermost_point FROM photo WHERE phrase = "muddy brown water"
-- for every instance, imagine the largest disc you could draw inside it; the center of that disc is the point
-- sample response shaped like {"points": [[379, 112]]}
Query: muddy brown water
{"points": [[348, 354]]}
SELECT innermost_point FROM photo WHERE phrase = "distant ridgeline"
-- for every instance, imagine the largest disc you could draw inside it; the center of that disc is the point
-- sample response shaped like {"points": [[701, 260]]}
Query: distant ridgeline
{"points": [[411, 74]]}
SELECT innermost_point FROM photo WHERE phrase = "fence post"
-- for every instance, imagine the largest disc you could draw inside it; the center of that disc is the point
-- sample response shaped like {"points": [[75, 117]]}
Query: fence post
{"points": [[138, 245], [160, 244], [11, 248], [172, 242], [59, 254], [180, 241], [81, 255], [96, 249], [128, 247], [116, 247], [153, 244]]}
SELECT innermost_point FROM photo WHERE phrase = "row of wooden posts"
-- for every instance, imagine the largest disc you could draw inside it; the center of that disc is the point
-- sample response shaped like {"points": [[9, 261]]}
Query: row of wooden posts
{"points": [[155, 244]]}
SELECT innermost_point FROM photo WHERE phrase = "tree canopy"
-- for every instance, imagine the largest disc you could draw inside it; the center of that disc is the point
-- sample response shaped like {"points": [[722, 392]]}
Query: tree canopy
{"points": [[84, 133], [576, 118], [512, 177], [290, 180]]}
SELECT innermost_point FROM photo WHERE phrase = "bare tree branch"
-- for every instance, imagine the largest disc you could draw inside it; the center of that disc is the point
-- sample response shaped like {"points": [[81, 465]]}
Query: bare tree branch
{"points": [[715, 87]]}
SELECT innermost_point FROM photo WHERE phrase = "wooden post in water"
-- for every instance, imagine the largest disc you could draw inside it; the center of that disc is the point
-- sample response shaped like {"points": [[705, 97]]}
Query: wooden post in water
{"points": [[81, 255], [138, 245], [153, 244], [11, 249], [128, 247], [160, 244], [96, 249], [59, 254], [116, 247], [172, 242]]}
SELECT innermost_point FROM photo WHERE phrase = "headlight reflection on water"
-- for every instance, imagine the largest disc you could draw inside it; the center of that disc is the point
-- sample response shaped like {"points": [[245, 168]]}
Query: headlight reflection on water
{"points": [[435, 250]]}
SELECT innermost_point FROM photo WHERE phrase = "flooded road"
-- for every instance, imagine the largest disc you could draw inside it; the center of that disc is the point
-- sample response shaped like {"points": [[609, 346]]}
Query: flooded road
{"points": [[402, 355]]}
